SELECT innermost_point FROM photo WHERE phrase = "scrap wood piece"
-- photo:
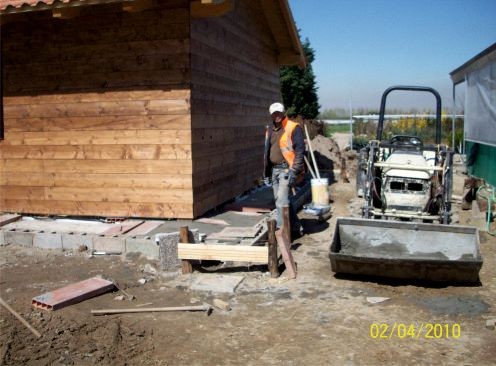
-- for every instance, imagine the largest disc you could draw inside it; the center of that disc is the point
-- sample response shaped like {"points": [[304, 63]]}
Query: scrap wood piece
{"points": [[8, 218], [223, 305], [20, 318], [284, 247], [72, 294], [145, 228], [123, 227], [234, 253], [204, 307]]}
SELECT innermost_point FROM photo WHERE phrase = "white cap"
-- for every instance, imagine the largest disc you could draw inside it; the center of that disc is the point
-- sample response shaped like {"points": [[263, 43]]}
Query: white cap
{"points": [[276, 107]]}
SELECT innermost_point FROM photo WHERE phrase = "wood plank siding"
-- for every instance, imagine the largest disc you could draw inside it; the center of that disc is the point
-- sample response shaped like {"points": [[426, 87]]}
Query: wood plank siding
{"points": [[234, 79], [97, 113]]}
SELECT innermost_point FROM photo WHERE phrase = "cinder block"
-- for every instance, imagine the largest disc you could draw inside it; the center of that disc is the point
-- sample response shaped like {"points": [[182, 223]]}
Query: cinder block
{"points": [[103, 243], [24, 238], [75, 240], [167, 243], [144, 245], [47, 240]]}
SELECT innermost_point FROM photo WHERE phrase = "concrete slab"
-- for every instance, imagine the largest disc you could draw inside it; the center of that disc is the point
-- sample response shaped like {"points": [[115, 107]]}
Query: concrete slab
{"points": [[216, 283], [47, 240], [144, 245], [23, 238], [109, 243], [75, 240]]}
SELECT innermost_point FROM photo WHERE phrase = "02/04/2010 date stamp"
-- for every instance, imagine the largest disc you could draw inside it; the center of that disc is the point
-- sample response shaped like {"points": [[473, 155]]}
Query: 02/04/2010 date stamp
{"points": [[415, 331]]}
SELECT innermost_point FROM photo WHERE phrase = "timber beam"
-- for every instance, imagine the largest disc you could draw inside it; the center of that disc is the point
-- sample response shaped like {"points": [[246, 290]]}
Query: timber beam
{"points": [[210, 8]]}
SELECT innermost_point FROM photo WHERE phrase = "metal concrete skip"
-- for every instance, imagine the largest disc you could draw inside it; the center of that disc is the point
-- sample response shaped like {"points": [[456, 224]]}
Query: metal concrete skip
{"points": [[72, 294], [406, 250]]}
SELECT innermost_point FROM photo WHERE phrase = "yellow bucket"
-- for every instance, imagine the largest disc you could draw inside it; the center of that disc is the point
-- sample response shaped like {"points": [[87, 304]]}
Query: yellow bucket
{"points": [[320, 191]]}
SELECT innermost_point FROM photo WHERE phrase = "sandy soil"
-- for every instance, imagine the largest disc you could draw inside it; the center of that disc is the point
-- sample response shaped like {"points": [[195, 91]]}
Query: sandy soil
{"points": [[316, 319]]}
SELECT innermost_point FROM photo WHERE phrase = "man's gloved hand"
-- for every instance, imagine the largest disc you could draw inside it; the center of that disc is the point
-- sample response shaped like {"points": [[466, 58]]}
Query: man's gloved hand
{"points": [[292, 178]]}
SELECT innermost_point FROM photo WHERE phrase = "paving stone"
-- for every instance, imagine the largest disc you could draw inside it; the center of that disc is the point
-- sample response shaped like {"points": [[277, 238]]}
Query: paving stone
{"points": [[216, 283], [144, 245], [24, 238], [75, 240], [109, 243], [47, 240]]}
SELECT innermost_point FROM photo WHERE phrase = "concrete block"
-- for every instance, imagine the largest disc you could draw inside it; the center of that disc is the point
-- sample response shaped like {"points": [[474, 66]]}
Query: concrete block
{"points": [[47, 240], [144, 245], [24, 238], [167, 243], [103, 243], [75, 240]]}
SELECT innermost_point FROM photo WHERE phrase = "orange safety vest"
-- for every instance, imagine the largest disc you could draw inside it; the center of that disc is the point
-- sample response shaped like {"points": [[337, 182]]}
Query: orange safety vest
{"points": [[286, 143]]}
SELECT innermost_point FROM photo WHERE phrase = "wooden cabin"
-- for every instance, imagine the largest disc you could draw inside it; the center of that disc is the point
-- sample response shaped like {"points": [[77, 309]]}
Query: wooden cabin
{"points": [[151, 108]]}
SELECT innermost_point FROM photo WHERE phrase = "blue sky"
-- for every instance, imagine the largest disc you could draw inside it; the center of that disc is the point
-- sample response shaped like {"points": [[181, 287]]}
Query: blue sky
{"points": [[362, 47]]}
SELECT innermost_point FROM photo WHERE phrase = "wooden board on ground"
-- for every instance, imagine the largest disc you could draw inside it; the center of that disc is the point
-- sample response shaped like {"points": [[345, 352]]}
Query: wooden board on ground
{"points": [[123, 227], [8, 218], [285, 248], [235, 253]]}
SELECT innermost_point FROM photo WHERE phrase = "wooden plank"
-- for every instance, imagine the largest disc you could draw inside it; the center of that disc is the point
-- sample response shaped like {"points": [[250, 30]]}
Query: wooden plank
{"points": [[182, 167], [115, 181], [8, 218], [186, 265], [233, 253], [80, 109], [120, 137], [92, 152], [90, 194], [99, 123], [78, 208], [173, 78], [105, 95], [273, 260], [145, 228], [90, 53], [123, 227], [285, 248]]}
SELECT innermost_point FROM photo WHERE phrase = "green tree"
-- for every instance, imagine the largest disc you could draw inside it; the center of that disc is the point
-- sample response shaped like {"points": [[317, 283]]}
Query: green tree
{"points": [[299, 92]]}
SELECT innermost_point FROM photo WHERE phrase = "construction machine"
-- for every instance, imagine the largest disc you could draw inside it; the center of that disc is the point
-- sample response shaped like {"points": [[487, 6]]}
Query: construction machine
{"points": [[404, 232]]}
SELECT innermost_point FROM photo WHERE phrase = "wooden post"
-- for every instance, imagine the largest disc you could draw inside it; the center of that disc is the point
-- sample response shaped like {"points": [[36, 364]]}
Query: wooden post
{"points": [[344, 173], [184, 238], [273, 258], [286, 225]]}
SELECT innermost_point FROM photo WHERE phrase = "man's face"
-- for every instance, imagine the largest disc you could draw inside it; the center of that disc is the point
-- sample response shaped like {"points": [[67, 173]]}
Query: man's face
{"points": [[277, 117]]}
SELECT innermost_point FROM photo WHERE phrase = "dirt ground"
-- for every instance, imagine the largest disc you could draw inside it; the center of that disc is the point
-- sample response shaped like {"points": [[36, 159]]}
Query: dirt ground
{"points": [[314, 320]]}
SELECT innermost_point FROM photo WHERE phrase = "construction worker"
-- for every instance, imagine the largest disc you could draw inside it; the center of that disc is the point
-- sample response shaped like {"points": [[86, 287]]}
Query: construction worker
{"points": [[284, 162]]}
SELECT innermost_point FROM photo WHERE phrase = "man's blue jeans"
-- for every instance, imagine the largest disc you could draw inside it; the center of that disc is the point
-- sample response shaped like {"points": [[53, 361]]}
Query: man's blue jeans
{"points": [[283, 195]]}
